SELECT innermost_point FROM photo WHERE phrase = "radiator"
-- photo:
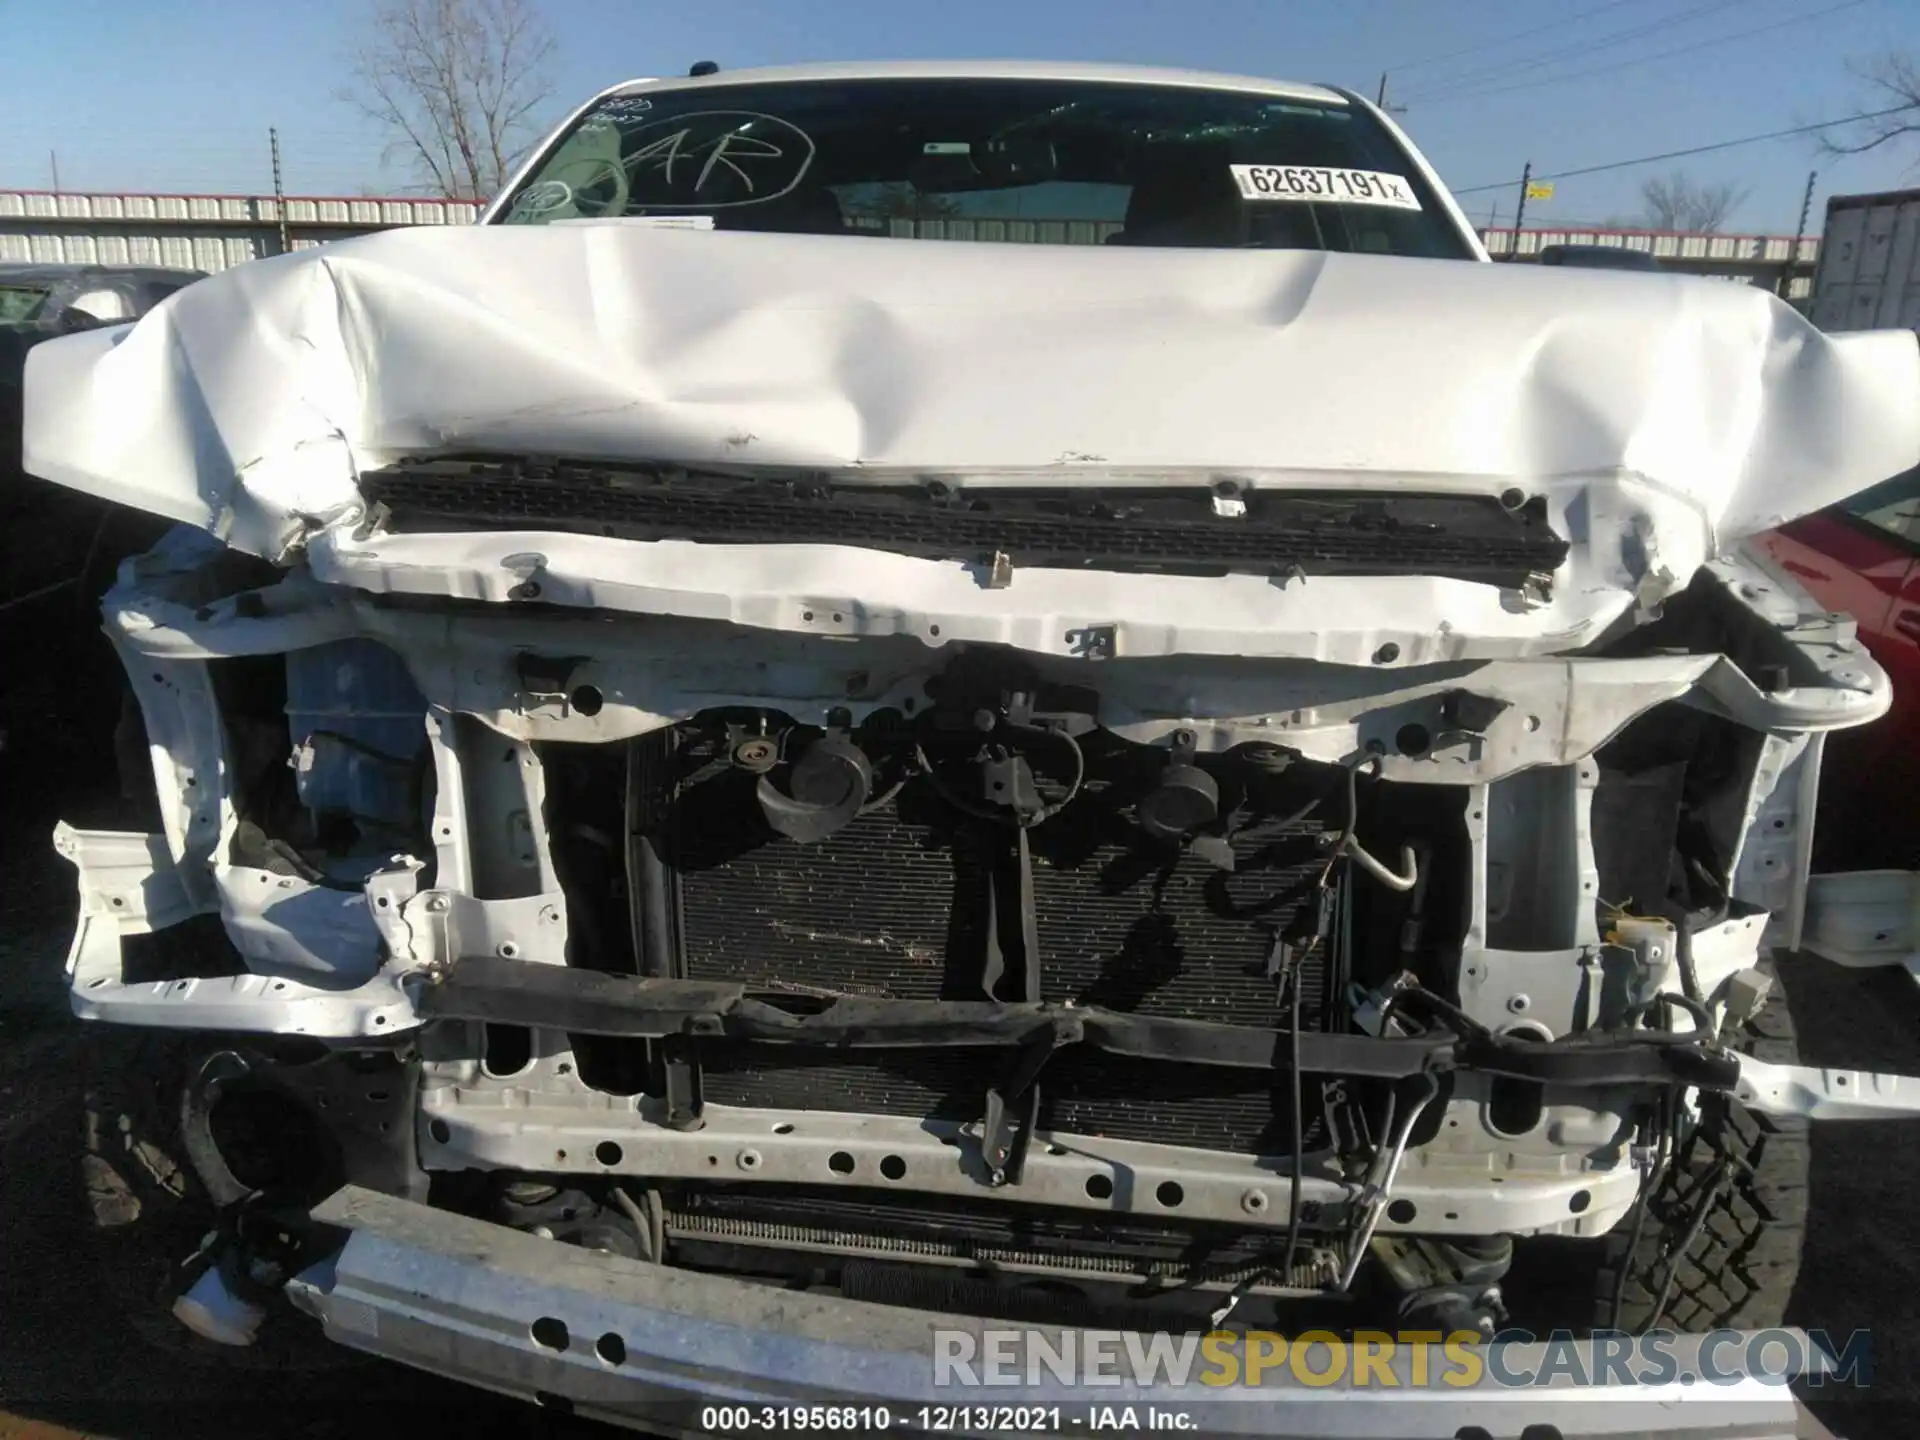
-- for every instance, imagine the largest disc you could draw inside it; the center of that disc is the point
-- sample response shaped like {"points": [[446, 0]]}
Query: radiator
{"points": [[895, 905]]}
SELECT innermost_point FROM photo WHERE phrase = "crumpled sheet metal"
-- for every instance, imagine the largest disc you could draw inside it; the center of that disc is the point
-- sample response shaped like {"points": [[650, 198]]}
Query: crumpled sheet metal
{"points": [[247, 403]]}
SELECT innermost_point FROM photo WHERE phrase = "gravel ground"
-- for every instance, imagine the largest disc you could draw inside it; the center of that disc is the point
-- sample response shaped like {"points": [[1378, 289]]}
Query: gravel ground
{"points": [[68, 1370]]}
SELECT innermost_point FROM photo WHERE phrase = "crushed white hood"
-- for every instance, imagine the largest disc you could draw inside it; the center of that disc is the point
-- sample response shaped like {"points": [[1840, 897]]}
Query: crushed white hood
{"points": [[247, 403]]}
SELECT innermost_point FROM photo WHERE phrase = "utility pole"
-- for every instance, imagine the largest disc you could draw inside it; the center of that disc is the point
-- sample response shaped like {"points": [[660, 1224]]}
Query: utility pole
{"points": [[1793, 256], [53, 164], [1380, 98], [279, 194], [1520, 209]]}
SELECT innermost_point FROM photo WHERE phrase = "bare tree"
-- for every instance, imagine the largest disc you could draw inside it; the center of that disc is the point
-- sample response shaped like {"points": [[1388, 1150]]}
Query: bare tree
{"points": [[1893, 90], [1675, 202], [455, 84]]}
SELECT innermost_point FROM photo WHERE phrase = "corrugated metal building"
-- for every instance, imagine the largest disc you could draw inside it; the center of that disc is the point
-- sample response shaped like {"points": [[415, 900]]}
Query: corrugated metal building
{"points": [[1756, 259], [197, 232], [213, 232]]}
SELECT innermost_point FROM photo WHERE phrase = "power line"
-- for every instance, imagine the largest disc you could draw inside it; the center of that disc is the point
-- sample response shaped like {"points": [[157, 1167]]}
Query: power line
{"points": [[1517, 35], [1697, 149], [1445, 97], [1584, 47]]}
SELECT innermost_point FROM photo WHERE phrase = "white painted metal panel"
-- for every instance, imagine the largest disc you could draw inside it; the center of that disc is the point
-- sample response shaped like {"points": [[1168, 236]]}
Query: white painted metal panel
{"points": [[1869, 272], [1732, 432], [1900, 289]]}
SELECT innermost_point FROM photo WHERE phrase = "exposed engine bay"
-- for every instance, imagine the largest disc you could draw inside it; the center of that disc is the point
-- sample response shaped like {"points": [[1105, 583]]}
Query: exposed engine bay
{"points": [[966, 975]]}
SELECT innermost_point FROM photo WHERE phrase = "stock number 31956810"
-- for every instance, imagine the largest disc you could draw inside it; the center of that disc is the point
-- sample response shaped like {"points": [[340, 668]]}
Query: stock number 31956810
{"points": [[869, 1419]]}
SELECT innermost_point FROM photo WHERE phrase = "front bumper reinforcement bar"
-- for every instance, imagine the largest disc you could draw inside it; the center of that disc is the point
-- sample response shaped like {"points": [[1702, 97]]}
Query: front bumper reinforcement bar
{"points": [[648, 1346]]}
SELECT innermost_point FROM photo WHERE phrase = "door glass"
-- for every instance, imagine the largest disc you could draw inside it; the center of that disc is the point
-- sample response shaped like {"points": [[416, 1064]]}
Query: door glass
{"points": [[1892, 507]]}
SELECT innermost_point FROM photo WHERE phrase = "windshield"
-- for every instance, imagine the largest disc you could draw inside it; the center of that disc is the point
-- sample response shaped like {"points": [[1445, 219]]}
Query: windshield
{"points": [[1031, 161], [19, 303]]}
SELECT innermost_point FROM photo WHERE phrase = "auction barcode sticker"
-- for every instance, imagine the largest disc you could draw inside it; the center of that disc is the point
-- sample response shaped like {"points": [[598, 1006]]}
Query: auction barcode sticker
{"points": [[1324, 183]]}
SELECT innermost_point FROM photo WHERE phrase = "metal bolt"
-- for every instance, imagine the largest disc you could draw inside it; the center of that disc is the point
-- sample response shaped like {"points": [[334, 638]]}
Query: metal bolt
{"points": [[1517, 1003], [550, 914], [1254, 1201], [748, 1160], [437, 904]]}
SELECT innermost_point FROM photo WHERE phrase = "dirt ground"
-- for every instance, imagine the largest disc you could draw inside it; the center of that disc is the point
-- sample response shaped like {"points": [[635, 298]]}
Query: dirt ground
{"points": [[68, 1369]]}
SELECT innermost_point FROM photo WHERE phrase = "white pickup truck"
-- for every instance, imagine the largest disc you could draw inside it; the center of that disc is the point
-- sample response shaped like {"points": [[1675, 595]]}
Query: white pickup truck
{"points": [[912, 696]]}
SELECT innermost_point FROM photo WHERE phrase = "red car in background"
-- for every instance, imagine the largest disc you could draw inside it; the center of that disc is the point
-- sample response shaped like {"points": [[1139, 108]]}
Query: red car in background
{"points": [[1862, 557]]}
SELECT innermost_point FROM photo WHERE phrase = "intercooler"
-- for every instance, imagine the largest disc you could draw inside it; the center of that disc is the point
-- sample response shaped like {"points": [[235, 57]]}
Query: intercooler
{"points": [[897, 904]]}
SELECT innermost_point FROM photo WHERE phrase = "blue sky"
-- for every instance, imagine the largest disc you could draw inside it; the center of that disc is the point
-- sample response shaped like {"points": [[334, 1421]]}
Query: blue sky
{"points": [[178, 96]]}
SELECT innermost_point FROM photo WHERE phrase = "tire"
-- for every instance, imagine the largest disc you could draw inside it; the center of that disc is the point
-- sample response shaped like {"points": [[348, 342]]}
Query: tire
{"points": [[148, 1214], [1733, 1257]]}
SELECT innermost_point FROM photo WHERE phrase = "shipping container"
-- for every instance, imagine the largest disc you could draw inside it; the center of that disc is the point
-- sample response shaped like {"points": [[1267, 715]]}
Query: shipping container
{"points": [[1869, 272]]}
